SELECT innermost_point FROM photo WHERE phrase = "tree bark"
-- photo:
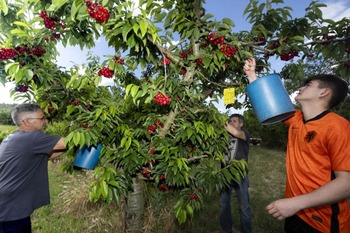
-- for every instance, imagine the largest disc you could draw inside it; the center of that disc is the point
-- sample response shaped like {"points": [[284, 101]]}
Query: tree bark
{"points": [[135, 207]]}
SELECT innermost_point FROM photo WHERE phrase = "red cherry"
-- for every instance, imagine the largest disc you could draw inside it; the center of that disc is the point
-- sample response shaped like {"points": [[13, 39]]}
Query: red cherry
{"points": [[161, 177]]}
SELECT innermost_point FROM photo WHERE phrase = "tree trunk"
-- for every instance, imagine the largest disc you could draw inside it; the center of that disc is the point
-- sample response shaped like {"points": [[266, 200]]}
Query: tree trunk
{"points": [[135, 207]]}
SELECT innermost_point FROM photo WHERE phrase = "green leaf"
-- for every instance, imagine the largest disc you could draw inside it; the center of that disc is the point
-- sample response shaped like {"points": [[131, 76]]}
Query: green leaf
{"points": [[137, 143], [189, 132], [98, 113], [128, 143], [161, 16], [122, 142], [12, 68], [87, 139], [114, 183], [69, 137], [128, 89], [136, 28], [19, 23], [182, 215], [179, 163], [70, 109], [29, 74], [329, 21], [74, 9], [143, 27], [189, 210], [298, 38], [223, 27], [104, 189], [134, 91], [196, 34], [131, 41], [19, 33], [76, 138], [126, 29], [228, 22], [3, 7], [206, 61], [82, 139], [207, 16], [56, 4]]}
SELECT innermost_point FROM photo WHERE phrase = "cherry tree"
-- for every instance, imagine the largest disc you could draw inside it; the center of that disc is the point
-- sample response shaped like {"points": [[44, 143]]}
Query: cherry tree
{"points": [[159, 129]]}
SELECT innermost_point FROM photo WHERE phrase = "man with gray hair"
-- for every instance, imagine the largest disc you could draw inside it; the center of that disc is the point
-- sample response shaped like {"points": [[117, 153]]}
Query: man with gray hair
{"points": [[238, 149], [24, 155]]}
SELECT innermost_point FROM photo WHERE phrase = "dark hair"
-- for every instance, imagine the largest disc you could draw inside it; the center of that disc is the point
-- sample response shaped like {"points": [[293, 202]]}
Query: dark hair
{"points": [[239, 116], [19, 110], [338, 86]]}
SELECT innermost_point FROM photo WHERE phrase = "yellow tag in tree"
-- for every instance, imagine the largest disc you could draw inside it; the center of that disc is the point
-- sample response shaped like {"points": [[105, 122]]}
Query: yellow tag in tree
{"points": [[229, 95]]}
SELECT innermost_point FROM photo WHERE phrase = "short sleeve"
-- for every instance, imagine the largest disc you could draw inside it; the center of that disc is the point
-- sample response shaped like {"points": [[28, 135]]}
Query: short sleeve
{"points": [[44, 143]]}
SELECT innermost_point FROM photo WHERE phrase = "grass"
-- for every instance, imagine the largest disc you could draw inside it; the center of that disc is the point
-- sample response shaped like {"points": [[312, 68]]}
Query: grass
{"points": [[7, 127], [70, 211], [6, 130]]}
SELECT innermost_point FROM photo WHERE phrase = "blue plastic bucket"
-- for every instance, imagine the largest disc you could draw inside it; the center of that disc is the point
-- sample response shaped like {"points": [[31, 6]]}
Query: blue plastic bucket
{"points": [[87, 157], [270, 99]]}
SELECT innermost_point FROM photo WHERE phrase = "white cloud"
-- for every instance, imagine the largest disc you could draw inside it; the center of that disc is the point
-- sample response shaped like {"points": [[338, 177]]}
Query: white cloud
{"points": [[336, 9]]}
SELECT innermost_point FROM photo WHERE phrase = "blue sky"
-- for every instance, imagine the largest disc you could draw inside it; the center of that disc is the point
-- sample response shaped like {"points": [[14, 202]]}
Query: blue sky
{"points": [[336, 10]]}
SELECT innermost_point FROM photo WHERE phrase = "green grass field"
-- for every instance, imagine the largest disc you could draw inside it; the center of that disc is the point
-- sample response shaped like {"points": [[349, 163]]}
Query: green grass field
{"points": [[70, 212], [7, 127]]}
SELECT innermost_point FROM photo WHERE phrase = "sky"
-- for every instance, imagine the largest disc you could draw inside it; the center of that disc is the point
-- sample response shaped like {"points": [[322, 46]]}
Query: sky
{"points": [[336, 10]]}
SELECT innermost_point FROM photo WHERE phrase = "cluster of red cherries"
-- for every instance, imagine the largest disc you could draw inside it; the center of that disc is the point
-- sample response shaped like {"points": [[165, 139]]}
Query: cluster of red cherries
{"points": [[183, 55], [216, 40], [288, 55], [52, 24], [6, 53], [37, 50], [74, 102], [152, 150], [23, 50], [106, 72], [194, 197], [21, 88], [162, 99], [9, 53], [272, 45], [153, 127], [228, 50], [164, 187], [199, 62], [166, 61], [97, 11], [119, 60]]}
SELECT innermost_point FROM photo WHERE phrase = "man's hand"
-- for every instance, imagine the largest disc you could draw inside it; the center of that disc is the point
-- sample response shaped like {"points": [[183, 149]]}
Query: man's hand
{"points": [[235, 132], [249, 69], [282, 208]]}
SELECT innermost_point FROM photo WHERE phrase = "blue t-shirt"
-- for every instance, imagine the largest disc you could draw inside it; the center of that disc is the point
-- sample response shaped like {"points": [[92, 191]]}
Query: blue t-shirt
{"points": [[24, 184]]}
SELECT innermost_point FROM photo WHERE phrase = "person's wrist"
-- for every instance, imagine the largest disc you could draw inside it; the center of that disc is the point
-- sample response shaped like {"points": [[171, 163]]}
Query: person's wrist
{"points": [[252, 77]]}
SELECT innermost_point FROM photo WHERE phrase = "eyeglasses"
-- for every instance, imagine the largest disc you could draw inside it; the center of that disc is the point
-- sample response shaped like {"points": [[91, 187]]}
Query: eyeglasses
{"points": [[38, 118]]}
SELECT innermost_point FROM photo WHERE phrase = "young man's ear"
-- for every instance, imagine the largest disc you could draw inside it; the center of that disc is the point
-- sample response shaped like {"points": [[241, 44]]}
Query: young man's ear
{"points": [[325, 92]]}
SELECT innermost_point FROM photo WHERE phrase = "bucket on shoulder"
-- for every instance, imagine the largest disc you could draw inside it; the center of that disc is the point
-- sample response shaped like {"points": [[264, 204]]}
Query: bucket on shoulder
{"points": [[87, 157], [269, 99]]}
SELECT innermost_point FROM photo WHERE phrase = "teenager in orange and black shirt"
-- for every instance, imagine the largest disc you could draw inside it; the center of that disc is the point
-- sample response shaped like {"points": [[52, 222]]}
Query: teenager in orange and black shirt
{"points": [[318, 159]]}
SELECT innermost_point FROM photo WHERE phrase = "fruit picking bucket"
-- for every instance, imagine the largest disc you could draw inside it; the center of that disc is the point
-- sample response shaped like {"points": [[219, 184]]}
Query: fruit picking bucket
{"points": [[270, 99], [87, 157]]}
